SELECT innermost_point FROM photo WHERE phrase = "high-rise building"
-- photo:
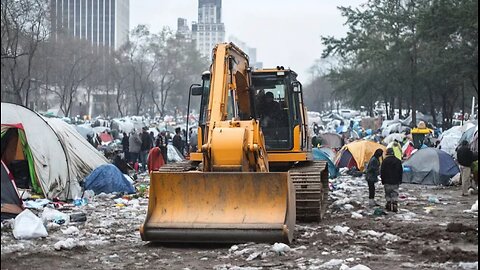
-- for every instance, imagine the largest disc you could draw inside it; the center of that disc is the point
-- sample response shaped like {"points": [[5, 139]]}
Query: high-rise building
{"points": [[183, 29], [209, 30], [102, 22], [251, 52]]}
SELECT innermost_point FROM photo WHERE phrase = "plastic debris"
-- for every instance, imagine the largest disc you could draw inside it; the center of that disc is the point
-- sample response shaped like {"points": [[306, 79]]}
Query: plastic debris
{"points": [[356, 215], [280, 248], [468, 265], [37, 204], [474, 207], [65, 244], [433, 199], [332, 263], [56, 216], [359, 267], [341, 229], [28, 226], [71, 230], [254, 255]]}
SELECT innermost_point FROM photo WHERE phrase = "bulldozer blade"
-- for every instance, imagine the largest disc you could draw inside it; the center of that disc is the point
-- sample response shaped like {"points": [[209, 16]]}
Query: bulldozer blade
{"points": [[239, 207]]}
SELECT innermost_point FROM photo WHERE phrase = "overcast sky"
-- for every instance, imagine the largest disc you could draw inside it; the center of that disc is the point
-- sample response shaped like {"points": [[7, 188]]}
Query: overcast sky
{"points": [[285, 32]]}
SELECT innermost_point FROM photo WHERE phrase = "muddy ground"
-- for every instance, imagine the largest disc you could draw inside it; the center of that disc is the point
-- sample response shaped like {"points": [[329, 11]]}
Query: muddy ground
{"points": [[425, 234]]}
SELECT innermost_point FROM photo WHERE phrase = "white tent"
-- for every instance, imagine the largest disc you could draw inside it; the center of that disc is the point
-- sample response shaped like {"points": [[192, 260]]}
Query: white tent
{"points": [[450, 138], [60, 157]]}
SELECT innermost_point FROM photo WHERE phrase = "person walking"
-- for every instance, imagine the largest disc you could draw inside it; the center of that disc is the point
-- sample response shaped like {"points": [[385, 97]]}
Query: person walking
{"points": [[145, 147], [391, 173], [134, 145], [371, 174], [163, 146], [125, 146], [177, 140], [465, 159]]}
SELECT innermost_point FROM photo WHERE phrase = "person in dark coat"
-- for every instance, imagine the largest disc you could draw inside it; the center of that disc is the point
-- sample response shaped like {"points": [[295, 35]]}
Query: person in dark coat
{"points": [[147, 144], [391, 173], [371, 174], [125, 146], [177, 140], [465, 159]]}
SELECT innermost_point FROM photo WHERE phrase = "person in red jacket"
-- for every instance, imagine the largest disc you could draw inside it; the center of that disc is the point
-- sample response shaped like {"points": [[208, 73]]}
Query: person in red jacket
{"points": [[155, 158]]}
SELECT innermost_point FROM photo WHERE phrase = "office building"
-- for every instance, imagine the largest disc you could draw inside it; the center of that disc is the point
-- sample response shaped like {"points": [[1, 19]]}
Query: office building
{"points": [[209, 30], [102, 22], [183, 30]]}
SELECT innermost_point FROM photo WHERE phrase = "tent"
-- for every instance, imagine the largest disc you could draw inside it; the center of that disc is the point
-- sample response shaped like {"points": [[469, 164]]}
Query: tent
{"points": [[429, 166], [474, 142], [357, 154], [108, 178], [408, 149], [326, 155], [450, 138], [11, 202], [54, 155], [331, 140], [394, 136]]}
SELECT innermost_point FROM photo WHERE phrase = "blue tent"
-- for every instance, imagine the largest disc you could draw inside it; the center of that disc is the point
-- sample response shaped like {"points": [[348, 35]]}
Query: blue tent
{"points": [[430, 166], [322, 154], [108, 178]]}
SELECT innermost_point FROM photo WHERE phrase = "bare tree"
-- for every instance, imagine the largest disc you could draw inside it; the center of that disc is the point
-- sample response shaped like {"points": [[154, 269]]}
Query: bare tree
{"points": [[73, 61], [23, 27]]}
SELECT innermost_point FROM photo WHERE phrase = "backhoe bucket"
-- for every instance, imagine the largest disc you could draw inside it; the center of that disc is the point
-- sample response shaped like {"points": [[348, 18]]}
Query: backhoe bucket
{"points": [[197, 207]]}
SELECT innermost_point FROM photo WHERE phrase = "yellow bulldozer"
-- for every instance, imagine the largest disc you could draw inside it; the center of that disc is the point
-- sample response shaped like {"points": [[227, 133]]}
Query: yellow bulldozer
{"points": [[253, 175]]}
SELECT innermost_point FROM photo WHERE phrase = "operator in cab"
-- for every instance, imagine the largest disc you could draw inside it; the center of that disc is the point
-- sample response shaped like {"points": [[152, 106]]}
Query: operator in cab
{"points": [[270, 111]]}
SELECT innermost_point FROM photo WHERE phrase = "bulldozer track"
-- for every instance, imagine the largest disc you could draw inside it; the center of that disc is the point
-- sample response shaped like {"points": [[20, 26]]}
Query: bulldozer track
{"points": [[311, 190], [182, 166]]}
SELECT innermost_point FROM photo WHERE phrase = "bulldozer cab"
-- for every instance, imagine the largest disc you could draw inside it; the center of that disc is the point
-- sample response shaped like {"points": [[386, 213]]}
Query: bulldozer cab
{"points": [[278, 99], [279, 106]]}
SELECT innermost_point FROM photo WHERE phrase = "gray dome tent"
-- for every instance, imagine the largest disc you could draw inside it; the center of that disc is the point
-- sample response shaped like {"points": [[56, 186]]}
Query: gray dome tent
{"points": [[429, 166]]}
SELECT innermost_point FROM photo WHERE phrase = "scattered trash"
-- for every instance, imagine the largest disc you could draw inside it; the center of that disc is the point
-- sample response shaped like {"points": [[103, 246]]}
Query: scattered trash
{"points": [[254, 255], [56, 216], [280, 248], [433, 199], [71, 230], [332, 263], [429, 209], [468, 265], [78, 217], [342, 230], [356, 215], [379, 212], [359, 267], [37, 204], [474, 207], [28, 226], [65, 244]]}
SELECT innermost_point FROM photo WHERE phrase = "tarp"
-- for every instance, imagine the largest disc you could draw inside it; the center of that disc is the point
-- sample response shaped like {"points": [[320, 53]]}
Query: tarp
{"points": [[474, 142], [108, 178], [408, 149], [429, 166], [450, 139], [11, 202], [361, 151], [60, 157], [331, 140], [324, 154], [394, 136]]}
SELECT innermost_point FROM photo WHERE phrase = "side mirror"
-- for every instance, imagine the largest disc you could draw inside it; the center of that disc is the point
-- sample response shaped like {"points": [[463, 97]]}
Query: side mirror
{"points": [[196, 90]]}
